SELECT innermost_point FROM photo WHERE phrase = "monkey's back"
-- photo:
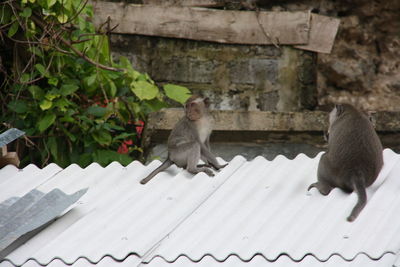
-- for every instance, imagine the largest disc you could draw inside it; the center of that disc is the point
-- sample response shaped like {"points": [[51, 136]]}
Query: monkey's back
{"points": [[354, 149]]}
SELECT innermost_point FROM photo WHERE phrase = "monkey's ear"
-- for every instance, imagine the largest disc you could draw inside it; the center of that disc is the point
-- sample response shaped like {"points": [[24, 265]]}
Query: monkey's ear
{"points": [[207, 102], [339, 109], [192, 112]]}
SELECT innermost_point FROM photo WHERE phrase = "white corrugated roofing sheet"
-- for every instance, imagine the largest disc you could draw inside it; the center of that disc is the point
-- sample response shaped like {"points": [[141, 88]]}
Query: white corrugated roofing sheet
{"points": [[251, 213]]}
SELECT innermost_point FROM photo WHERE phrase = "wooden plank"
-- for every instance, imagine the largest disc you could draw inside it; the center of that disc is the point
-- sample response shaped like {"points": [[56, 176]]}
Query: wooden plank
{"points": [[192, 3], [239, 27], [322, 34]]}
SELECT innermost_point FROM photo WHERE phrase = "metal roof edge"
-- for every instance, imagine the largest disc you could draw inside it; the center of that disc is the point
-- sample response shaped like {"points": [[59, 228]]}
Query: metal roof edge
{"points": [[273, 259], [206, 256]]}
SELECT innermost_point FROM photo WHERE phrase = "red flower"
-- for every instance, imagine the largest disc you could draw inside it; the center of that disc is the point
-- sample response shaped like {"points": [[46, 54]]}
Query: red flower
{"points": [[139, 127], [123, 149], [128, 142]]}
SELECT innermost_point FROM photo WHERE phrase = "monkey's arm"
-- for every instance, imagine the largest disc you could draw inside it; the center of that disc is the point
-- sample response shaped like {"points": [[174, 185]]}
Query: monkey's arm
{"points": [[207, 143], [206, 163], [162, 167]]}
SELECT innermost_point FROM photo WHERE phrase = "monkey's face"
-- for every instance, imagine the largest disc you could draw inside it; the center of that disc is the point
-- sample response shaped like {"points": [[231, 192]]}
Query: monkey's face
{"points": [[196, 107]]}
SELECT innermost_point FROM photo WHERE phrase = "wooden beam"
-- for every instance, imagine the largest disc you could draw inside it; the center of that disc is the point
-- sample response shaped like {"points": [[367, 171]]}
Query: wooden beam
{"points": [[222, 26], [322, 34], [192, 3]]}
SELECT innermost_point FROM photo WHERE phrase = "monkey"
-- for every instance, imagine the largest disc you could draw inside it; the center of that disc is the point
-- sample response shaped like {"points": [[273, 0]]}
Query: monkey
{"points": [[354, 156], [189, 141]]}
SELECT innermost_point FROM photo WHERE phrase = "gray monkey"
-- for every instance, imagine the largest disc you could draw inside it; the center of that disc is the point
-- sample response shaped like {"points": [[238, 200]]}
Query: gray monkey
{"points": [[354, 156], [189, 141]]}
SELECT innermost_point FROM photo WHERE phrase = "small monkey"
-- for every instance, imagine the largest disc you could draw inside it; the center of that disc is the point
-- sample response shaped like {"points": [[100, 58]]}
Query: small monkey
{"points": [[354, 156], [189, 141]]}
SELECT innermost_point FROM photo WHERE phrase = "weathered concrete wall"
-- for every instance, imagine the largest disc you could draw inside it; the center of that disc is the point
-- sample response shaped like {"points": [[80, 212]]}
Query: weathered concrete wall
{"points": [[235, 77]]}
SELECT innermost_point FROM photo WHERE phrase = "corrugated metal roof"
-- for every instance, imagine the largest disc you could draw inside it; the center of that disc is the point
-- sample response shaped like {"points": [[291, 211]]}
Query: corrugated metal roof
{"points": [[232, 261], [9, 136], [20, 217], [254, 212]]}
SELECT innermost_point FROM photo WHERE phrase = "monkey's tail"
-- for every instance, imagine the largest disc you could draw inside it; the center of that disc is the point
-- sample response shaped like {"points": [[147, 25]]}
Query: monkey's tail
{"points": [[162, 167], [359, 187]]}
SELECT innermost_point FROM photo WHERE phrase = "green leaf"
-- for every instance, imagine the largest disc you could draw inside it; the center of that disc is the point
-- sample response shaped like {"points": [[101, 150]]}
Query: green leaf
{"points": [[36, 51], [25, 78], [27, 12], [113, 88], [105, 157], [13, 29], [62, 104], [45, 104], [36, 91], [68, 134], [177, 93], [82, 23], [111, 127], [5, 14], [85, 159], [144, 90], [18, 106], [52, 144], [68, 89], [153, 105], [105, 49], [41, 69], [125, 63], [97, 111], [52, 94], [62, 18], [102, 137], [91, 79], [67, 119], [50, 3], [46, 122], [124, 136], [53, 81]]}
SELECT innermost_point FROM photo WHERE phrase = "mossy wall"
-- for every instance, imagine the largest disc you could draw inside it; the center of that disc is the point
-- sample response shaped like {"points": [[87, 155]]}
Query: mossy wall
{"points": [[235, 77]]}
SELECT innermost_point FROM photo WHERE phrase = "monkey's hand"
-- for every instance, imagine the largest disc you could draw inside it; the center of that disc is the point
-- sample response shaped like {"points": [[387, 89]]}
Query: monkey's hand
{"points": [[209, 172]]}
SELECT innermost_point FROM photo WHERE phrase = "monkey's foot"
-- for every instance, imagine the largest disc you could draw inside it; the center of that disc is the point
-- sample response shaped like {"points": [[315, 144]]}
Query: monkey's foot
{"points": [[209, 172], [324, 189], [204, 165]]}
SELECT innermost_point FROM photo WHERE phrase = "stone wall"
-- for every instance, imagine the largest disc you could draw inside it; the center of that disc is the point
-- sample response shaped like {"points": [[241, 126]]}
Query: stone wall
{"points": [[364, 66], [235, 77]]}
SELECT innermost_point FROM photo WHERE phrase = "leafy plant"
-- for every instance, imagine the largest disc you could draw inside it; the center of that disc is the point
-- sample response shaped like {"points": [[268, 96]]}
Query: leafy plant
{"points": [[61, 85]]}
